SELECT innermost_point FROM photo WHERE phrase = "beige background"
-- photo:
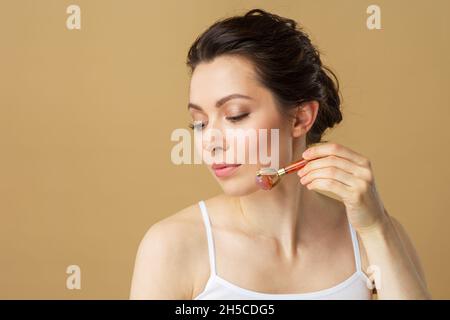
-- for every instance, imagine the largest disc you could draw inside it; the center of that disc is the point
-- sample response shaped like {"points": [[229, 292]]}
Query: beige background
{"points": [[86, 118]]}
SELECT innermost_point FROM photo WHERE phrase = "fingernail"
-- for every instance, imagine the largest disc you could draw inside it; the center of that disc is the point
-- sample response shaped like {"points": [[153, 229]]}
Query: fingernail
{"points": [[306, 153]]}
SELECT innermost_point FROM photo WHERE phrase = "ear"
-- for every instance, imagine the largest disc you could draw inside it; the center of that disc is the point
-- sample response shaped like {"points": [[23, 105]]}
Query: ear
{"points": [[304, 117]]}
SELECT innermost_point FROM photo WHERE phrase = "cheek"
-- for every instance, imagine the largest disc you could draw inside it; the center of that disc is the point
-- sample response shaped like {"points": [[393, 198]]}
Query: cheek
{"points": [[272, 140], [256, 140], [198, 144]]}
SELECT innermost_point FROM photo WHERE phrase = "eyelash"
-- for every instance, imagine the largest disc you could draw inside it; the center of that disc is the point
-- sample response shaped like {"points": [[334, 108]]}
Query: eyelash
{"points": [[237, 118], [194, 126], [232, 119]]}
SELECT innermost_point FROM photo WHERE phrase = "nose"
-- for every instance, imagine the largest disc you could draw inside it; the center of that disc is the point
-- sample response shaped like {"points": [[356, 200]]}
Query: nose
{"points": [[214, 139]]}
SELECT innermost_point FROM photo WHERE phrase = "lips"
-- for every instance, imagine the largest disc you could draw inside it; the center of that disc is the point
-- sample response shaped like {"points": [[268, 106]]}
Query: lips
{"points": [[224, 169]]}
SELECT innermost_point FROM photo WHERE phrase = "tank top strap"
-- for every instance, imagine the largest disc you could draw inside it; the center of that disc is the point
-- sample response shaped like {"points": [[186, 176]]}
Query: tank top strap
{"points": [[209, 237], [355, 248]]}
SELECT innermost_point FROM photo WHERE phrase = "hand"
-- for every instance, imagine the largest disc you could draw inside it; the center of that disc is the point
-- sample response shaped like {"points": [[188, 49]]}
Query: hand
{"points": [[340, 171]]}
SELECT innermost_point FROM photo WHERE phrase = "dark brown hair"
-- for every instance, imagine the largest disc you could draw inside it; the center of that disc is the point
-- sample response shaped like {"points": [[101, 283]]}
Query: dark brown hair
{"points": [[285, 61]]}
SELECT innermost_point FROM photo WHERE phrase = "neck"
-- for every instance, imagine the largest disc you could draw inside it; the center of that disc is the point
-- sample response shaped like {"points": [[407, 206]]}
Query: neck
{"points": [[289, 213]]}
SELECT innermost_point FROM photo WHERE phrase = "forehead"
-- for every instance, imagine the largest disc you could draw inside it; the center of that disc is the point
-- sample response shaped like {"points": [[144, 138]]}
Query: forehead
{"points": [[223, 75]]}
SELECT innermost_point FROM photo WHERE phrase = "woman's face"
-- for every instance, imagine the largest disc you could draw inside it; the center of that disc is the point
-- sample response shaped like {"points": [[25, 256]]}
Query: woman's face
{"points": [[255, 109]]}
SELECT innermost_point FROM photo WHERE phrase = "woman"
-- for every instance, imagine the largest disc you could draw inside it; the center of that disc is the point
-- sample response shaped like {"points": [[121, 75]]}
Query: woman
{"points": [[322, 233]]}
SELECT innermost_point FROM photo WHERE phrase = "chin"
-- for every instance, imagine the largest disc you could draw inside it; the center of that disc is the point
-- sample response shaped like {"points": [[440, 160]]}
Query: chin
{"points": [[239, 186]]}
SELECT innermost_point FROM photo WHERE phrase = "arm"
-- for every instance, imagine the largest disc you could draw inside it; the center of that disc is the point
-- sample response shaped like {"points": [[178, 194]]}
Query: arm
{"points": [[349, 176], [159, 271], [390, 249]]}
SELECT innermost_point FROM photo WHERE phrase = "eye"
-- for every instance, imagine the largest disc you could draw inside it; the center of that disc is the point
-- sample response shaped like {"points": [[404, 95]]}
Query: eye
{"points": [[197, 125], [237, 118]]}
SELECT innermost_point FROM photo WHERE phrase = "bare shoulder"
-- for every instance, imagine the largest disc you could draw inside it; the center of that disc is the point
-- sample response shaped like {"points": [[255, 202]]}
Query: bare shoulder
{"points": [[165, 260]]}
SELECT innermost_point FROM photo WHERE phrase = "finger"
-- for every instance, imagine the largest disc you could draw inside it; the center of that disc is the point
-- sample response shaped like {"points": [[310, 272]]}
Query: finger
{"points": [[328, 149], [330, 173], [331, 186], [335, 161]]}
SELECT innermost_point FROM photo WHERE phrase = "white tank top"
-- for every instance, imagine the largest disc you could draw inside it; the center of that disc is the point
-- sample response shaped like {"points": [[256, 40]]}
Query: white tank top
{"points": [[355, 287]]}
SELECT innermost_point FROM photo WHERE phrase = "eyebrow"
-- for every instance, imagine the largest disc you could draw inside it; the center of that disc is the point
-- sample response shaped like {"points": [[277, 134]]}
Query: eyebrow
{"points": [[221, 101]]}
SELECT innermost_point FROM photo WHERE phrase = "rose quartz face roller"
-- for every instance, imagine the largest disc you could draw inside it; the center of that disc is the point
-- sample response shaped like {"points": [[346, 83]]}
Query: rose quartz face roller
{"points": [[267, 178]]}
